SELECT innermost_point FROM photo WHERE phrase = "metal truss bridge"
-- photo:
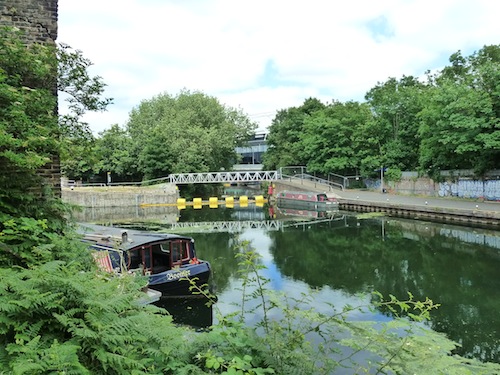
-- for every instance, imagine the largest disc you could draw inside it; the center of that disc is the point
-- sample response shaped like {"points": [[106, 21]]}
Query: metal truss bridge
{"points": [[234, 177], [248, 176], [221, 177]]}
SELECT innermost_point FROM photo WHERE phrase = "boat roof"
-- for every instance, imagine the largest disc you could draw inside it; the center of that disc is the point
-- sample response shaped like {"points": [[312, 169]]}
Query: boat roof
{"points": [[127, 239]]}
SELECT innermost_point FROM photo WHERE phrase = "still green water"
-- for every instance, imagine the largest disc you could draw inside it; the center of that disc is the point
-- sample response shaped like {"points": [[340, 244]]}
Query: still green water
{"points": [[345, 255]]}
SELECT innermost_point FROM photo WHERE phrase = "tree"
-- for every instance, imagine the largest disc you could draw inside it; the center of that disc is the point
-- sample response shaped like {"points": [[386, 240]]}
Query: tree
{"points": [[114, 148], [285, 132], [395, 105], [31, 135], [82, 93], [189, 132], [328, 138], [460, 124], [28, 140]]}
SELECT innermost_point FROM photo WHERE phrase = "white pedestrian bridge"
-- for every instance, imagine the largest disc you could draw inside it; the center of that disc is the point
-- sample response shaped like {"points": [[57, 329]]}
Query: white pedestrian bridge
{"points": [[221, 177], [227, 177]]}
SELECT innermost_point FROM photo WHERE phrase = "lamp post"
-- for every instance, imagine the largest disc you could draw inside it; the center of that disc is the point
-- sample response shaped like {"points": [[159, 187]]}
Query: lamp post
{"points": [[382, 179]]}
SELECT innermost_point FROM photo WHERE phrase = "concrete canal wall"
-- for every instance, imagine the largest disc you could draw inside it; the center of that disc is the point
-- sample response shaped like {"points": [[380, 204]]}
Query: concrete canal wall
{"points": [[405, 205], [105, 197], [460, 184]]}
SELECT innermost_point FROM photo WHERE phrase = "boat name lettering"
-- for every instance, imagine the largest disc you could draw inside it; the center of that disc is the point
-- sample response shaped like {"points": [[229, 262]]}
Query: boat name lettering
{"points": [[178, 275]]}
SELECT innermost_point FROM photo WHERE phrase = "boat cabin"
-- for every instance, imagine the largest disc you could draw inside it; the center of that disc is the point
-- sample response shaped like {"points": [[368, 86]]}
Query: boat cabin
{"points": [[147, 253]]}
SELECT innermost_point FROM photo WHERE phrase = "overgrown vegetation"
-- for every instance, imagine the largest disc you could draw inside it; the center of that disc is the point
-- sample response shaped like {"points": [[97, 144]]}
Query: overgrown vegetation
{"points": [[59, 314]]}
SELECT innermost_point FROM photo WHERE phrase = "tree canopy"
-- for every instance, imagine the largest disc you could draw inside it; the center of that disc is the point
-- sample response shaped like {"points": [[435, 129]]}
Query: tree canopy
{"points": [[449, 121], [187, 132]]}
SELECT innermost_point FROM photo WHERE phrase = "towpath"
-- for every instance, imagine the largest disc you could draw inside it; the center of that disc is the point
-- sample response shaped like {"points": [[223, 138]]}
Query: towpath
{"points": [[452, 203], [476, 210]]}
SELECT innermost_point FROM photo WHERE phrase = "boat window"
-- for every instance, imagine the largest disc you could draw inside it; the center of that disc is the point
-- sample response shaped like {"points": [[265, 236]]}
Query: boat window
{"points": [[146, 257], [165, 247], [322, 197], [179, 251], [161, 258], [134, 259]]}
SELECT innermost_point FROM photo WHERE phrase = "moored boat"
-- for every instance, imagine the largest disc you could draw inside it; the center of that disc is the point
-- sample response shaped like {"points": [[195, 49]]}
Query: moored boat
{"points": [[168, 260], [305, 200]]}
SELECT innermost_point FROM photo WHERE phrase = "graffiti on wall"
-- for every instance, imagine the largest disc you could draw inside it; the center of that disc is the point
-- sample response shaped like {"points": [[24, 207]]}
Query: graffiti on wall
{"points": [[489, 190]]}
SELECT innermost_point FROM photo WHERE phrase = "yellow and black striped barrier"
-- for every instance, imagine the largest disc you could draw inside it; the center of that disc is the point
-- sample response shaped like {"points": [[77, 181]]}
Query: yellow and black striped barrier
{"points": [[212, 202]]}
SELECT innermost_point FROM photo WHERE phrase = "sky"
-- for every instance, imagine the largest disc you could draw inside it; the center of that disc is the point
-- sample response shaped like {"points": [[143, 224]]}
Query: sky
{"points": [[266, 55]]}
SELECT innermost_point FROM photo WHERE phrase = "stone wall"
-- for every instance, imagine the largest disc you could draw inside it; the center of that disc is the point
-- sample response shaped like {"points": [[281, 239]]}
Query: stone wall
{"points": [[38, 19], [461, 187]]}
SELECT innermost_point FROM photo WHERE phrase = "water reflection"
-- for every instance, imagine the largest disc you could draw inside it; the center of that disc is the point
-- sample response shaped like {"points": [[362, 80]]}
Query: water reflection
{"points": [[342, 255], [110, 215], [195, 312]]}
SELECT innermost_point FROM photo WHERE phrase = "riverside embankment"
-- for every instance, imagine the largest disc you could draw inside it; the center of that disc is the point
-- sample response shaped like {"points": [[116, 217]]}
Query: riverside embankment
{"points": [[444, 209], [120, 196], [467, 211]]}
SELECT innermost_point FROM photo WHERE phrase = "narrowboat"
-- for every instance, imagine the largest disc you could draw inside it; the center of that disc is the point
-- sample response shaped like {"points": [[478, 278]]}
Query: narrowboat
{"points": [[168, 260], [305, 200]]}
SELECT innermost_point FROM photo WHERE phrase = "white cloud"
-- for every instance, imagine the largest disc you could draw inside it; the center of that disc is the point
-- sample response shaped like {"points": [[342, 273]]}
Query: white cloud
{"points": [[320, 48]]}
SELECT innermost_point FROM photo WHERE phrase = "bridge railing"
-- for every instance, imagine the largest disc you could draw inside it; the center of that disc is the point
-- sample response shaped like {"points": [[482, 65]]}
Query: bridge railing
{"points": [[218, 177]]}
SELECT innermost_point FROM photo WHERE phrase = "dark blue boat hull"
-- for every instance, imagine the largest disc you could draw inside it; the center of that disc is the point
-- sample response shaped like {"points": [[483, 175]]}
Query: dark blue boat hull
{"points": [[179, 282]]}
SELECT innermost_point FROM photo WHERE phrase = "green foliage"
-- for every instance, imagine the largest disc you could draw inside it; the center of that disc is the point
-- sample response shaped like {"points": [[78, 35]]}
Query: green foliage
{"points": [[190, 132], [27, 105], [81, 93], [329, 137], [393, 174], [28, 242], [396, 104], [30, 136], [450, 122], [459, 124], [284, 147], [114, 150], [57, 318]]}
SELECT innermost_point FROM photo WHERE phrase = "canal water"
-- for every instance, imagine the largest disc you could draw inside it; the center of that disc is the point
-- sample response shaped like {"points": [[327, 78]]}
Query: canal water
{"points": [[344, 255]]}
